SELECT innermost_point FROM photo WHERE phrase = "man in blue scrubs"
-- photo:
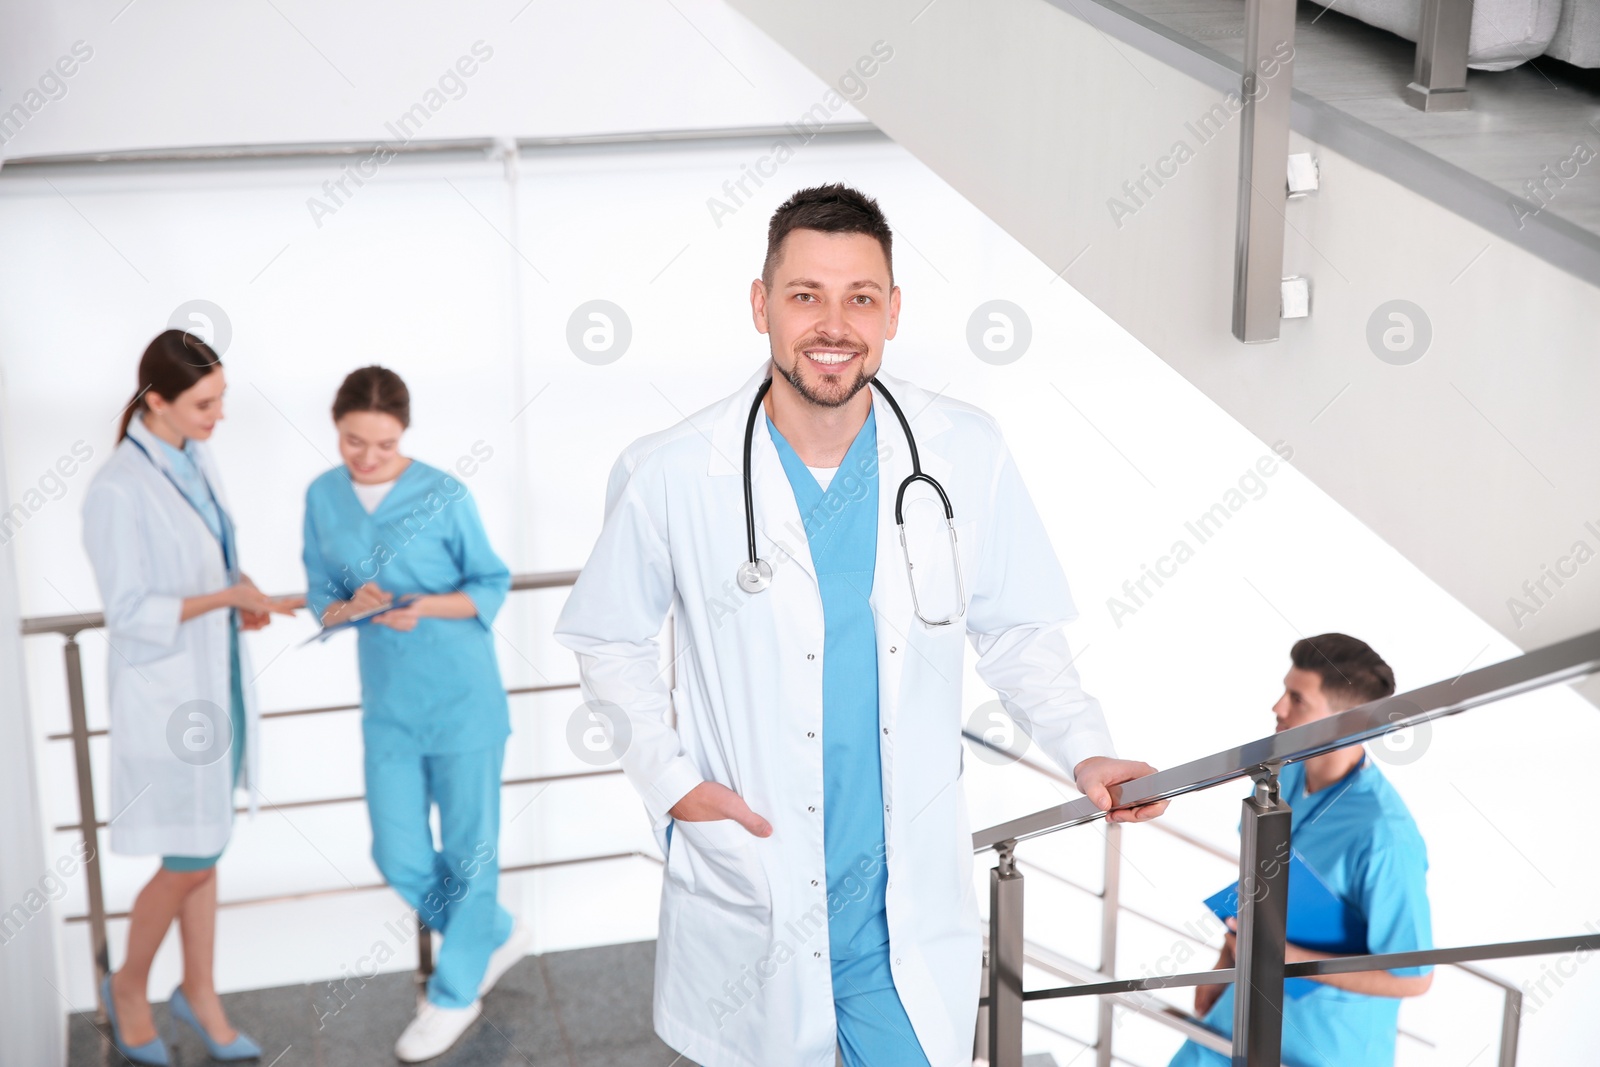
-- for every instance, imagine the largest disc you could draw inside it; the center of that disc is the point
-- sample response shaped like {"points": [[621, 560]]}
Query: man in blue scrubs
{"points": [[1353, 830], [839, 507]]}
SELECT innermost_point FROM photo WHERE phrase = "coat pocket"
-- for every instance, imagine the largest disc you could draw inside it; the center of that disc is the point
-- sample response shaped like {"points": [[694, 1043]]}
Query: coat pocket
{"points": [[720, 861]]}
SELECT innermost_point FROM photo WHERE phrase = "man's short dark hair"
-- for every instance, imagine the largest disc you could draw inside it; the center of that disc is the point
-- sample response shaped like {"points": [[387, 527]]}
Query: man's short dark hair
{"points": [[1350, 671], [832, 209]]}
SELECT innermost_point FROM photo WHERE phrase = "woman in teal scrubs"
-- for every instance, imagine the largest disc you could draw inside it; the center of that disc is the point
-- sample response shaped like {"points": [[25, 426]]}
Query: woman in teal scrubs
{"points": [[386, 529]]}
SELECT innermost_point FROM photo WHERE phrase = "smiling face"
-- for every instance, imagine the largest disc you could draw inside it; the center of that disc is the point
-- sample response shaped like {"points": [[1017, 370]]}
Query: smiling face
{"points": [[827, 310], [369, 444], [194, 412]]}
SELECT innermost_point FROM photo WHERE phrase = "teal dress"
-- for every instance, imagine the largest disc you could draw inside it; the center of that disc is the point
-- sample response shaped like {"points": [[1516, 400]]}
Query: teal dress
{"points": [[193, 485], [841, 525]]}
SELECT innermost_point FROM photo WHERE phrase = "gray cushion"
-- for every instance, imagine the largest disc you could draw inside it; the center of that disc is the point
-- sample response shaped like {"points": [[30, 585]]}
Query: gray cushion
{"points": [[1504, 32], [1577, 38]]}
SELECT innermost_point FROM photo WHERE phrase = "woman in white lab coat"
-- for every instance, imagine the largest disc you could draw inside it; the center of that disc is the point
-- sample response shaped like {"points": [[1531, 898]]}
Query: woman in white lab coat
{"points": [[183, 716]]}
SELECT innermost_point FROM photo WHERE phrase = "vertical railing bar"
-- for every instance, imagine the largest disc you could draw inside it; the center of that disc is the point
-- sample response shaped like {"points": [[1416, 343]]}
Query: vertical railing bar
{"points": [[424, 954], [1263, 925], [1005, 959], [88, 821], [1510, 1026], [1110, 912], [1263, 169], [1444, 35]]}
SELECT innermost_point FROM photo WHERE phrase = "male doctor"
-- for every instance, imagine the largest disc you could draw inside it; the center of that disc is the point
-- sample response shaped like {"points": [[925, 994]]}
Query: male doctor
{"points": [[803, 772]]}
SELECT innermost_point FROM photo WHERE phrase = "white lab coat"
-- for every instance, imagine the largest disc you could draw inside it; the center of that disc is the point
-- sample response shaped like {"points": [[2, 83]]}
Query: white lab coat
{"points": [[742, 963], [150, 549]]}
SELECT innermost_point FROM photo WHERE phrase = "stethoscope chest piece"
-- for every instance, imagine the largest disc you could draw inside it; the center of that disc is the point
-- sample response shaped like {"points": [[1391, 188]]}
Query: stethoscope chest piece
{"points": [[755, 575]]}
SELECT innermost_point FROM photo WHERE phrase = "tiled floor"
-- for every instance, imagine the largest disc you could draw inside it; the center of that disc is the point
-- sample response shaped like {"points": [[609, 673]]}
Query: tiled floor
{"points": [[586, 1008]]}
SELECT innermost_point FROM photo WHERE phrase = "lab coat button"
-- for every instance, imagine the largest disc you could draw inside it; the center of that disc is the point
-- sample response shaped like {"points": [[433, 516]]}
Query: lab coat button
{"points": [[813, 881], [818, 955], [810, 808], [811, 733], [811, 655], [892, 648]]}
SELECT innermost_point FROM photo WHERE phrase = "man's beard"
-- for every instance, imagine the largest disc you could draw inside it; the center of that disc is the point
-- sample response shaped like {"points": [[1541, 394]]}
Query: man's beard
{"points": [[830, 401]]}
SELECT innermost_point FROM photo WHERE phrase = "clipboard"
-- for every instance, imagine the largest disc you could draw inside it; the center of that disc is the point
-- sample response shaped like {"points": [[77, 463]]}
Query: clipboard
{"points": [[356, 620], [1319, 918]]}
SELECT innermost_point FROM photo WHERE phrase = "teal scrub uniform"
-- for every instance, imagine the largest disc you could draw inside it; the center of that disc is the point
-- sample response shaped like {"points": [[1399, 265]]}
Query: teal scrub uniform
{"points": [[192, 483], [841, 526], [1360, 839], [434, 712]]}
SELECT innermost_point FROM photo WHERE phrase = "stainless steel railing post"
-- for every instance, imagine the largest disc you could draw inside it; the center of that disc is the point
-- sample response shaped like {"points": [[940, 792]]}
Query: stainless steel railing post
{"points": [[1443, 35], [1263, 923], [1005, 960], [88, 821], [1110, 906], [1510, 1027], [1263, 169]]}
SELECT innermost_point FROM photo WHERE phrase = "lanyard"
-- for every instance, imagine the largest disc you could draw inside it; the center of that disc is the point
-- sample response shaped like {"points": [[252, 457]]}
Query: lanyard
{"points": [[226, 538]]}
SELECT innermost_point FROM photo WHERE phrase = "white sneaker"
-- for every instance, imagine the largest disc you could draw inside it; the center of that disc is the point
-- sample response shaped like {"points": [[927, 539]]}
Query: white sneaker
{"points": [[434, 1030], [506, 956]]}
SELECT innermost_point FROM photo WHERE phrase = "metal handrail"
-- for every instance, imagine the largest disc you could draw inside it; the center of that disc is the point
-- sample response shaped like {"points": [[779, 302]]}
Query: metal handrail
{"points": [[1261, 969], [1062, 966], [69, 625], [89, 825], [1560, 662]]}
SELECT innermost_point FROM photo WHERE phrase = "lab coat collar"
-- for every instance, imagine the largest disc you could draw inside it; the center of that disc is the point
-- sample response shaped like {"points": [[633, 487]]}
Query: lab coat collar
{"points": [[157, 450], [780, 534], [154, 447]]}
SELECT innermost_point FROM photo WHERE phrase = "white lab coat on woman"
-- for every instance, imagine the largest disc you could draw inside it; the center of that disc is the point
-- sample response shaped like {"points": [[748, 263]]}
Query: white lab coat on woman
{"points": [[742, 963], [150, 549]]}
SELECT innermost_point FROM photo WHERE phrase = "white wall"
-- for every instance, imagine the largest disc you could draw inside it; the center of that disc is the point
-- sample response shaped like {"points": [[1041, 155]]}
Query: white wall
{"points": [[167, 73], [31, 881], [1473, 460], [416, 272]]}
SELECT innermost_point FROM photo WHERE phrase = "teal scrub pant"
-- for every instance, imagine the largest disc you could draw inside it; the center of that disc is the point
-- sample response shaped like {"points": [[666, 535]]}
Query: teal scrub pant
{"points": [[873, 1028], [453, 888], [236, 750]]}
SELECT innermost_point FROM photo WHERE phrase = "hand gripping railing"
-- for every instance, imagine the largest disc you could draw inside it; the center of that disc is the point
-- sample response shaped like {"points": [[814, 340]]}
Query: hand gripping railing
{"points": [[1263, 872]]}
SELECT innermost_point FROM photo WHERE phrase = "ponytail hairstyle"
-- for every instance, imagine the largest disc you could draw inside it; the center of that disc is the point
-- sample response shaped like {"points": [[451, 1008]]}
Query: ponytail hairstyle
{"points": [[376, 389], [174, 361]]}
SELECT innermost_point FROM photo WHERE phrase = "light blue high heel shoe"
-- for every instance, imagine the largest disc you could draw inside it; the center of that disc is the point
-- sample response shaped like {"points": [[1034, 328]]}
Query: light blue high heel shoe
{"points": [[149, 1054], [240, 1048]]}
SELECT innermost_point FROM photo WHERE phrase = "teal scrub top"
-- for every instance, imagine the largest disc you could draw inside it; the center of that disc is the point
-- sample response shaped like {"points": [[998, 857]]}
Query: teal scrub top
{"points": [[841, 526], [1361, 840], [437, 688]]}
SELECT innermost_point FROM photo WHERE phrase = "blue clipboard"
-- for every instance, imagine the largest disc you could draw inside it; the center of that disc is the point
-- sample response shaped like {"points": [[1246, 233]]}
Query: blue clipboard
{"points": [[1319, 918], [356, 620]]}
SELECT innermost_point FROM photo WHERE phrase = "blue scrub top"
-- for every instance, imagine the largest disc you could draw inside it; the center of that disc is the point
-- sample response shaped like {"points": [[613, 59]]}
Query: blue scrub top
{"points": [[192, 484], [436, 689], [841, 527], [1361, 840]]}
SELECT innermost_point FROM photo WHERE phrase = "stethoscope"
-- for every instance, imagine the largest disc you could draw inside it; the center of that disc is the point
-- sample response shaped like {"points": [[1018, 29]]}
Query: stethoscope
{"points": [[222, 514], [755, 573]]}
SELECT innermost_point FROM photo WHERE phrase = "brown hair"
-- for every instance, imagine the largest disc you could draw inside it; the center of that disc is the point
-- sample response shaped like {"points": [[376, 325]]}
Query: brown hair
{"points": [[171, 364], [832, 209], [373, 388], [1348, 667]]}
